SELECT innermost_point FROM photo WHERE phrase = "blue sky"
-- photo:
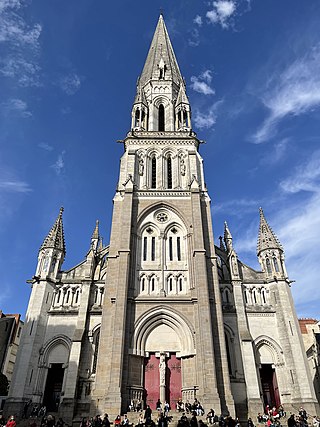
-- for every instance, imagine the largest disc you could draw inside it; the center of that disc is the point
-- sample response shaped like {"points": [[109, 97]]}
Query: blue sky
{"points": [[68, 72]]}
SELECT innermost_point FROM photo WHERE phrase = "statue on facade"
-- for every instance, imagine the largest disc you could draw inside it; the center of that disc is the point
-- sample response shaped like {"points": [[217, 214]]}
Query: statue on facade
{"points": [[162, 369], [141, 167]]}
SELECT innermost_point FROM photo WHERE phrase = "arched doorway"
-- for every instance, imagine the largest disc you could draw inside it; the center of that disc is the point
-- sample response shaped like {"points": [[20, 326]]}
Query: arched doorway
{"points": [[163, 338], [162, 369]]}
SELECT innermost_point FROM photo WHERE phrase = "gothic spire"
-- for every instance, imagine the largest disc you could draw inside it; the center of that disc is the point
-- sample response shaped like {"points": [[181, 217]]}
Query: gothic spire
{"points": [[95, 234], [55, 237], [161, 60], [266, 239], [227, 238]]}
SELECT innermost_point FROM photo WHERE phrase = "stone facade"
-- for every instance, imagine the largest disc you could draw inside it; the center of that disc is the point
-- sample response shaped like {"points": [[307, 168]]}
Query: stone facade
{"points": [[161, 291], [310, 331]]}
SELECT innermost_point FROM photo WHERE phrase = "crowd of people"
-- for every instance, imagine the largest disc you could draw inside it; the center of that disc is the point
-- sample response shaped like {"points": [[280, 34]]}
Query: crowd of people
{"points": [[161, 417]]}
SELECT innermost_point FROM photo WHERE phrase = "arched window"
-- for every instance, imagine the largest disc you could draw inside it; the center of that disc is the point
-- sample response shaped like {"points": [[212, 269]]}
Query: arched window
{"points": [[95, 355], [268, 264], [185, 118], [254, 296], [161, 118], [153, 248], [180, 283], [68, 296], [58, 296], [170, 284], [170, 249], [169, 172], [263, 294], [137, 118], [179, 248], [153, 172], [275, 264], [145, 248], [153, 284], [245, 297], [227, 296], [77, 297], [143, 284]]}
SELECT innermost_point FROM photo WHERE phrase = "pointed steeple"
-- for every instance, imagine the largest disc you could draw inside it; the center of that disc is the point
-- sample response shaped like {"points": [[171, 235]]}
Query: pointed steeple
{"points": [[140, 96], [55, 237], [161, 62], [227, 238], [95, 234], [182, 96], [95, 237], [266, 239]]}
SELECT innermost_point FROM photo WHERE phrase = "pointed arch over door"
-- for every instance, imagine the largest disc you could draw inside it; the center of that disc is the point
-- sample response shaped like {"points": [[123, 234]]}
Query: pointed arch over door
{"points": [[156, 317]]}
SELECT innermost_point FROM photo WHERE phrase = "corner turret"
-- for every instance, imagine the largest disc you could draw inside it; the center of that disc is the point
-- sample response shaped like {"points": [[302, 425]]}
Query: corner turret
{"points": [[52, 251], [270, 251]]}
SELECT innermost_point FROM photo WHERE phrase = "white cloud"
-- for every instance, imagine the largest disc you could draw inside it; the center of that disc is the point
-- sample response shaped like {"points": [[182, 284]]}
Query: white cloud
{"points": [[306, 177], [16, 107], [19, 59], [45, 146], [70, 84], [295, 91], [221, 13], [201, 83], [198, 20], [59, 164], [205, 120]]}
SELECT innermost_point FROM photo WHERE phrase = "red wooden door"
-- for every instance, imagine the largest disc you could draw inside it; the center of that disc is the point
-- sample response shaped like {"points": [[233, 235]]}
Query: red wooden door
{"points": [[173, 381], [152, 380]]}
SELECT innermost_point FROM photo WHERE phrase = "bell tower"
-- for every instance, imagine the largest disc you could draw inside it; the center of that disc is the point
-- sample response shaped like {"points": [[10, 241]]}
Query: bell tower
{"points": [[162, 334]]}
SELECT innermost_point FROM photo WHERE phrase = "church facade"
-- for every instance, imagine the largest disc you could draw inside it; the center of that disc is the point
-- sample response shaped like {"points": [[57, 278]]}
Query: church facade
{"points": [[161, 312]]}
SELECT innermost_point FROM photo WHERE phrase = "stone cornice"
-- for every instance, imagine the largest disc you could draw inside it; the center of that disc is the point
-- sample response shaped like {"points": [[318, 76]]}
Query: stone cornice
{"points": [[153, 193]]}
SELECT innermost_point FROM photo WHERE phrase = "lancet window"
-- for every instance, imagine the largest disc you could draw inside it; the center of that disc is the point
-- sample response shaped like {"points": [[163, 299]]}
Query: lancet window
{"points": [[161, 118], [149, 244], [153, 172], [174, 246], [169, 172], [268, 265]]}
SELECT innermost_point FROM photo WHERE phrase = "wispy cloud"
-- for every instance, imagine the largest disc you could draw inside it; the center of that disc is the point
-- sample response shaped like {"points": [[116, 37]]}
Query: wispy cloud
{"points": [[222, 12], [206, 119], [296, 224], [16, 107], [70, 84], [306, 177], [276, 153], [58, 166], [194, 39], [45, 146], [294, 91], [14, 186], [201, 83], [21, 45]]}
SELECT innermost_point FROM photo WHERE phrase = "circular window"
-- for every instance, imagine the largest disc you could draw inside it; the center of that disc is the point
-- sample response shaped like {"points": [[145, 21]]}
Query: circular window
{"points": [[162, 217]]}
